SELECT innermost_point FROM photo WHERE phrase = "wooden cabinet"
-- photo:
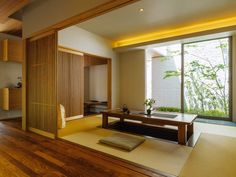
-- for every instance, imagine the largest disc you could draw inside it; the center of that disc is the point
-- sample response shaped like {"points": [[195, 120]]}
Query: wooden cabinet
{"points": [[12, 98], [11, 50]]}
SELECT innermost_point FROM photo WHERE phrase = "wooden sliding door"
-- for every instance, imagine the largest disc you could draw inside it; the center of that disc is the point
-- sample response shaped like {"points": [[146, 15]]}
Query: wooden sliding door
{"points": [[71, 81], [41, 84]]}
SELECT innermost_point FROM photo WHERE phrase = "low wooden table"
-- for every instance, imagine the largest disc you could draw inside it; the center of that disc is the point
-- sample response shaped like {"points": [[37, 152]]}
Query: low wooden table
{"points": [[184, 122]]}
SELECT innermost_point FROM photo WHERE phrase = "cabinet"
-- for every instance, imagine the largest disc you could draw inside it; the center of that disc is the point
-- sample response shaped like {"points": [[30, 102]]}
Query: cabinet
{"points": [[11, 50], [11, 98]]}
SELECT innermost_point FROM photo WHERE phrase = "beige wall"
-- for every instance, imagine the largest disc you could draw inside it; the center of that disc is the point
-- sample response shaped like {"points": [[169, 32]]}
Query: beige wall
{"points": [[132, 79], [98, 82], [44, 13], [84, 41], [95, 83], [9, 71]]}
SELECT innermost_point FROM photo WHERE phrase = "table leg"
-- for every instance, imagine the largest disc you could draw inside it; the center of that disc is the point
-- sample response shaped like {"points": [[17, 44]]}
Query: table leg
{"points": [[104, 120], [190, 130], [121, 120], [182, 134]]}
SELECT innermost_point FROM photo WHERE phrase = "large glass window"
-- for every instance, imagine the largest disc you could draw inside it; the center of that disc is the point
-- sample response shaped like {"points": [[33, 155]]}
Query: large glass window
{"points": [[205, 89], [206, 77]]}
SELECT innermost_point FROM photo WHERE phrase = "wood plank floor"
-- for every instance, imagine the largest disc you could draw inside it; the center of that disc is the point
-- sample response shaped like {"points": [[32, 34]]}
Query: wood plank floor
{"points": [[27, 154]]}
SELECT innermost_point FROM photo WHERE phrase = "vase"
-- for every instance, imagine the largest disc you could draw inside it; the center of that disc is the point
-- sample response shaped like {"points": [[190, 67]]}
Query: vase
{"points": [[149, 112]]}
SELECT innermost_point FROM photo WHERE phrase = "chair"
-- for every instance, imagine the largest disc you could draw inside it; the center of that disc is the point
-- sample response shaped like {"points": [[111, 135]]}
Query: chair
{"points": [[61, 117]]}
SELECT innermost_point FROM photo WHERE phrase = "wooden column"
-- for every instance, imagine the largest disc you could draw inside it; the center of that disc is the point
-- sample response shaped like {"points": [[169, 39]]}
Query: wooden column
{"points": [[182, 138], [104, 120]]}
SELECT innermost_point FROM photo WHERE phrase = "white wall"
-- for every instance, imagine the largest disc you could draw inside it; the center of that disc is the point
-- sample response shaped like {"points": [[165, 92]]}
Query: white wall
{"points": [[132, 79], [84, 41], [9, 71], [166, 91], [44, 13], [98, 82]]}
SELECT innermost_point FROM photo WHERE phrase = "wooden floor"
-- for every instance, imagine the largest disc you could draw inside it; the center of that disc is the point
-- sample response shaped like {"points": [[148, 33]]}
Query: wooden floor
{"points": [[27, 154]]}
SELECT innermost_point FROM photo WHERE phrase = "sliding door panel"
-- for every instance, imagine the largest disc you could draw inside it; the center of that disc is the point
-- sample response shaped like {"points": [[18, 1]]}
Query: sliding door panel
{"points": [[71, 82], [41, 83]]}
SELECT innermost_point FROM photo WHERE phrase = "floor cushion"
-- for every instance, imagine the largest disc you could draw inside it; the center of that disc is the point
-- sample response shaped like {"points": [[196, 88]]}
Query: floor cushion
{"points": [[122, 141]]}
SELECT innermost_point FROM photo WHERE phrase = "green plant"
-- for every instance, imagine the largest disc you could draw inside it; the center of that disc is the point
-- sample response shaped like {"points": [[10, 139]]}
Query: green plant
{"points": [[149, 103], [205, 78], [168, 109]]}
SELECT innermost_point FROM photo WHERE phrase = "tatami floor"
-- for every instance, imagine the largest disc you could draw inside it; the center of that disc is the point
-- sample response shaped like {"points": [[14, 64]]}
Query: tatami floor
{"points": [[164, 156]]}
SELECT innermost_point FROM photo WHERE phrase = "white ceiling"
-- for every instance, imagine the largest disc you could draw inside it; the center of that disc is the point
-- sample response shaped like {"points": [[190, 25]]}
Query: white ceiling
{"points": [[157, 15]]}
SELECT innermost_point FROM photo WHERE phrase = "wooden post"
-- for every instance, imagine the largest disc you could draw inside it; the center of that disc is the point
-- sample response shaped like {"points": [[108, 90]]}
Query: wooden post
{"points": [[190, 130], [104, 120], [182, 134]]}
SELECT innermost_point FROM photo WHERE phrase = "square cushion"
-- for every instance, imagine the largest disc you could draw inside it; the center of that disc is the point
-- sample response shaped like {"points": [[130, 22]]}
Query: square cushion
{"points": [[122, 141]]}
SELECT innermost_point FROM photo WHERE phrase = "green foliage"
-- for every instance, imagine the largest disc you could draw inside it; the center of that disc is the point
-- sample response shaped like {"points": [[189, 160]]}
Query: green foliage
{"points": [[171, 74], [216, 113], [168, 109], [207, 93]]}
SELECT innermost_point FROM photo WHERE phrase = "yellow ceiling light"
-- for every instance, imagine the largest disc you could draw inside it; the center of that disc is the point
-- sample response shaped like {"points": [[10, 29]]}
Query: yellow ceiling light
{"points": [[141, 10], [200, 27]]}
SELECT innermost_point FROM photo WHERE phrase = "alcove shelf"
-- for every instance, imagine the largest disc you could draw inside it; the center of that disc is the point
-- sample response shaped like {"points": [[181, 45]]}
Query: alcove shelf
{"points": [[11, 98], [11, 50]]}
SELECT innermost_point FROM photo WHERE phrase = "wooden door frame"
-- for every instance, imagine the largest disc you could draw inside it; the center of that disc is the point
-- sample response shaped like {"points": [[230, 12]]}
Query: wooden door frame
{"points": [[109, 77], [109, 70], [25, 123], [89, 14]]}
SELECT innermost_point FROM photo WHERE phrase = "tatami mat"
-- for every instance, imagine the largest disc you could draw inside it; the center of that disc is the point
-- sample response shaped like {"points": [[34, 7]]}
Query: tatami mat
{"points": [[157, 154], [212, 156]]}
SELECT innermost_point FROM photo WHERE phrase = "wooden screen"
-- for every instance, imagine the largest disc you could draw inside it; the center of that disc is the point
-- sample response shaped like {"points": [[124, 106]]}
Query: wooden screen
{"points": [[41, 83], [71, 82]]}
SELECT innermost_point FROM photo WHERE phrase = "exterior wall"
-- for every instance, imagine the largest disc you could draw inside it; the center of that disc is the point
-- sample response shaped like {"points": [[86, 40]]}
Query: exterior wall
{"points": [[165, 91]]}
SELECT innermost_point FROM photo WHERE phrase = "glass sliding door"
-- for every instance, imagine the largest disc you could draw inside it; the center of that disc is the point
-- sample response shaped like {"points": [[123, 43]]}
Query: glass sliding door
{"points": [[207, 78]]}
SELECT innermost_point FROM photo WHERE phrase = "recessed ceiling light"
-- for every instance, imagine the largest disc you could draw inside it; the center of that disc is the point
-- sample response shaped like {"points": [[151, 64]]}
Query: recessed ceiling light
{"points": [[141, 10]]}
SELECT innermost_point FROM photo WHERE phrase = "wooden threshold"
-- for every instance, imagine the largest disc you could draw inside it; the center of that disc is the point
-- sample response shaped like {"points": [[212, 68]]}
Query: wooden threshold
{"points": [[41, 132]]}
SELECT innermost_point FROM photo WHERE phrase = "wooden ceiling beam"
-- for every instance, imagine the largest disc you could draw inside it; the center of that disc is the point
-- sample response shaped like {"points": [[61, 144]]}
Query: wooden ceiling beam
{"points": [[9, 7]]}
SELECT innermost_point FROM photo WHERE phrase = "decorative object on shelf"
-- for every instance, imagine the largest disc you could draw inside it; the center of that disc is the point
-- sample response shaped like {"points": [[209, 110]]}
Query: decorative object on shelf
{"points": [[149, 105], [19, 84], [125, 109], [11, 50]]}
